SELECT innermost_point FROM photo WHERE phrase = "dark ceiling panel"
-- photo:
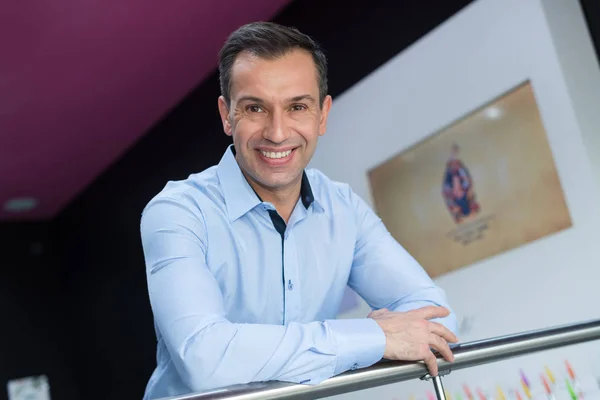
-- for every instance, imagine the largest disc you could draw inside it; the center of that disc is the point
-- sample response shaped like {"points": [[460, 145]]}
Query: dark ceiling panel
{"points": [[80, 81]]}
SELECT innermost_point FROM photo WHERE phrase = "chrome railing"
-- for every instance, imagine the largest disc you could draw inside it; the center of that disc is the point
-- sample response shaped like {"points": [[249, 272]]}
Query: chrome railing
{"points": [[466, 355]]}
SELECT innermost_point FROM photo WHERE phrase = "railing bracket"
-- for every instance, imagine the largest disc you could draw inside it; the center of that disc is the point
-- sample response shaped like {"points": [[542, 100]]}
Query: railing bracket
{"points": [[443, 372]]}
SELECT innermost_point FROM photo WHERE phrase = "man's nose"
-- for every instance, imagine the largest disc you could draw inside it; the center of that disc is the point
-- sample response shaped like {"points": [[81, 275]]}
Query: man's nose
{"points": [[276, 130]]}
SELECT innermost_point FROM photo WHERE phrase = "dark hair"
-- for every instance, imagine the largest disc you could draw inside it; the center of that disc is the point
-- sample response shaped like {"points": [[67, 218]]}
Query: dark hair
{"points": [[268, 40]]}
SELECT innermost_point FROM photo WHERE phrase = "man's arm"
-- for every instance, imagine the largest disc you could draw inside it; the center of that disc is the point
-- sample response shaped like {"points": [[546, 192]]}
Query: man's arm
{"points": [[208, 350], [386, 275]]}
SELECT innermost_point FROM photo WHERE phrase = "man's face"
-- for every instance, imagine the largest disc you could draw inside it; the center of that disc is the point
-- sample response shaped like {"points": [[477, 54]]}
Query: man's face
{"points": [[274, 117]]}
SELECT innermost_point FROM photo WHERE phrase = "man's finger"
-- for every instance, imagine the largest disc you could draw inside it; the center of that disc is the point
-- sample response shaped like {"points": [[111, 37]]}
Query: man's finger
{"points": [[431, 312], [431, 363], [441, 346], [443, 332]]}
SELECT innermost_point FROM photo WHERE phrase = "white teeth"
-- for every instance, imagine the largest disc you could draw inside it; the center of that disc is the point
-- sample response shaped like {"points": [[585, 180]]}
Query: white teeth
{"points": [[279, 154]]}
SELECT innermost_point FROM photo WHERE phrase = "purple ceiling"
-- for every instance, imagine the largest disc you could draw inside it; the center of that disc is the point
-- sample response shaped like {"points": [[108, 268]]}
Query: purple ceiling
{"points": [[80, 81]]}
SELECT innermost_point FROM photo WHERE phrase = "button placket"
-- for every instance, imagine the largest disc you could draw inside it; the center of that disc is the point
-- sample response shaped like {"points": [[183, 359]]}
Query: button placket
{"points": [[291, 276]]}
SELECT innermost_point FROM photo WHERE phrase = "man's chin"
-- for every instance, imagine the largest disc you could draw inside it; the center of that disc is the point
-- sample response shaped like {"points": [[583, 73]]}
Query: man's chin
{"points": [[275, 182]]}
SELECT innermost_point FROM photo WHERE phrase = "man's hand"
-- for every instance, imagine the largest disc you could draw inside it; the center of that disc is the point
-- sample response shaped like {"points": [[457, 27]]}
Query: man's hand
{"points": [[410, 335]]}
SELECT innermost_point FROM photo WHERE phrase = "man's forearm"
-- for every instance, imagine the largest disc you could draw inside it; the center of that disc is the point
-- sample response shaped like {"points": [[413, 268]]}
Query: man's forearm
{"points": [[225, 353]]}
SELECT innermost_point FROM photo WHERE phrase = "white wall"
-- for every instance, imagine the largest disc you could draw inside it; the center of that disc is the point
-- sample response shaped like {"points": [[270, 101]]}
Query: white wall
{"points": [[483, 51]]}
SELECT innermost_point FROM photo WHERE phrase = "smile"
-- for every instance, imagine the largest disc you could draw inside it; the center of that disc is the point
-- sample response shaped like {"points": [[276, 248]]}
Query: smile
{"points": [[276, 155]]}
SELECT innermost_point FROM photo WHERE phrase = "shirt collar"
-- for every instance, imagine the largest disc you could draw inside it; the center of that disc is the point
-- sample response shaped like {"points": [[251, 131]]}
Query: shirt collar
{"points": [[239, 195], [306, 193]]}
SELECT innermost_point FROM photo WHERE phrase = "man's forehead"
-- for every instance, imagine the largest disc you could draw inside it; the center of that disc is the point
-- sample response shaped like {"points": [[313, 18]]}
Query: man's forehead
{"points": [[274, 78]]}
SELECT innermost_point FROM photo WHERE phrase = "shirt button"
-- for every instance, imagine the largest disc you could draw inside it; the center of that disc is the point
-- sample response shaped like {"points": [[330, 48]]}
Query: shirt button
{"points": [[354, 366], [290, 285]]}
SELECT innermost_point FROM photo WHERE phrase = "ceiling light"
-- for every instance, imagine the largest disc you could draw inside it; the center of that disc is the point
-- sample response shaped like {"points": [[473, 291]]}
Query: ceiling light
{"points": [[493, 112], [20, 204]]}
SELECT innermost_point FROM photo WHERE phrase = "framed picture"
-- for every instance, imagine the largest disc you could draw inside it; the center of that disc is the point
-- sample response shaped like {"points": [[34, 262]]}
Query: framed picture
{"points": [[483, 185]]}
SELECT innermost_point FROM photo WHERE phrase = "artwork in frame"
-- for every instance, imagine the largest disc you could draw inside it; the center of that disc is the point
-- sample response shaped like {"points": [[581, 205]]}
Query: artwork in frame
{"points": [[479, 187]]}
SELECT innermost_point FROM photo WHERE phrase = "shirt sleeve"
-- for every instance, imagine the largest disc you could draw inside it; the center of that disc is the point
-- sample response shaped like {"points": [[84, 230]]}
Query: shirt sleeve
{"points": [[385, 274], [209, 351]]}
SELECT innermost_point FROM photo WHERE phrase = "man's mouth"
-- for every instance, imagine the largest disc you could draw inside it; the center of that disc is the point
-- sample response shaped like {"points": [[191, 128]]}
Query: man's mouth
{"points": [[276, 154]]}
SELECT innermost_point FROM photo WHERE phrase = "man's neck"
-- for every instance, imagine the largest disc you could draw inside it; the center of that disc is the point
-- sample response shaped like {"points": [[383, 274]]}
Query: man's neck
{"points": [[284, 199]]}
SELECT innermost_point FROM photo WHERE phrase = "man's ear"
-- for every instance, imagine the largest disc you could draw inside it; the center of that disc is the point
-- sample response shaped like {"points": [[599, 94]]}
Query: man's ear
{"points": [[224, 111], [324, 114]]}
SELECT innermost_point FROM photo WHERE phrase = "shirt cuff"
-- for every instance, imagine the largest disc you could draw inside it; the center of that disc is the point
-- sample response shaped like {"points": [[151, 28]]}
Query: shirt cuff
{"points": [[360, 343], [412, 305]]}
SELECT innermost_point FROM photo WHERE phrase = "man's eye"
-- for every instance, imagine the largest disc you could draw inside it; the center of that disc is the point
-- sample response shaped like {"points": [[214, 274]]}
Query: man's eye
{"points": [[298, 107], [254, 109]]}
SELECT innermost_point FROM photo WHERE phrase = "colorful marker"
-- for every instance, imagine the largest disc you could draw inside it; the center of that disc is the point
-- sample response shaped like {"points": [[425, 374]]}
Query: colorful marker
{"points": [[576, 386], [547, 388], [481, 394], [430, 396], [526, 389], [524, 379], [468, 392], [550, 375], [570, 389], [518, 395], [501, 395], [570, 371]]}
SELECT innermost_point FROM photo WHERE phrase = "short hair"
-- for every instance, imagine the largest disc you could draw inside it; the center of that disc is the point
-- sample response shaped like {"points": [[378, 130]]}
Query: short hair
{"points": [[269, 40]]}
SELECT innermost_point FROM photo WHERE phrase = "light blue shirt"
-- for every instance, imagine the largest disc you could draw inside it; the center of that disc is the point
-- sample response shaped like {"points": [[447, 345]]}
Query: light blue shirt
{"points": [[235, 301]]}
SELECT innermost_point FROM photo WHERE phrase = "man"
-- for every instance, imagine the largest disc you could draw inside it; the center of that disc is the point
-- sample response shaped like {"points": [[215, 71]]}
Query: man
{"points": [[247, 261], [457, 188]]}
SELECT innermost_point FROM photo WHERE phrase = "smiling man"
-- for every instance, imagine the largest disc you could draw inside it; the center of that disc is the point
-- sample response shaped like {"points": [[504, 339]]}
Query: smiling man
{"points": [[247, 261]]}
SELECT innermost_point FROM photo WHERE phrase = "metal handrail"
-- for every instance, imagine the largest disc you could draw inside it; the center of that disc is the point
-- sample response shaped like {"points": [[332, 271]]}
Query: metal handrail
{"points": [[383, 373]]}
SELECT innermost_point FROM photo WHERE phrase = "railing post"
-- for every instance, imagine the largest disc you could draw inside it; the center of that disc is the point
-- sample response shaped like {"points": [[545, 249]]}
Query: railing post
{"points": [[439, 388], [438, 385]]}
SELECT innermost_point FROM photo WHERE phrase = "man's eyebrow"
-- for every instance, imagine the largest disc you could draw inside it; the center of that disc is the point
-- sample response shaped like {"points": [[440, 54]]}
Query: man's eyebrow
{"points": [[306, 97], [295, 99], [251, 99]]}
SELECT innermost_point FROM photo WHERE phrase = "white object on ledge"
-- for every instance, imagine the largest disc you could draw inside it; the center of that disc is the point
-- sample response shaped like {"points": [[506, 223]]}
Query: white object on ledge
{"points": [[29, 388]]}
